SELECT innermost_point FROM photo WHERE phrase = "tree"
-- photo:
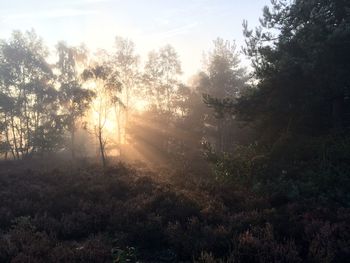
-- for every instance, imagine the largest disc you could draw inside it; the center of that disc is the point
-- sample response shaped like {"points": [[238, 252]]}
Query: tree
{"points": [[6, 104], [30, 113], [125, 62], [298, 103], [223, 81], [227, 78], [74, 99], [300, 55], [161, 76], [106, 86]]}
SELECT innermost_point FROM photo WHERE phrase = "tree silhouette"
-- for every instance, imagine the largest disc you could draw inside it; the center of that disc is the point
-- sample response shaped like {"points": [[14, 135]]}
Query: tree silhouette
{"points": [[106, 86], [74, 99], [300, 57], [223, 81], [31, 120], [160, 76], [125, 62]]}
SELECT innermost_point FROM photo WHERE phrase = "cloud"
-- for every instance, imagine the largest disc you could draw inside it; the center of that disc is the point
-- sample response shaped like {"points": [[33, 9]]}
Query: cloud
{"points": [[91, 1], [58, 13], [94, 1], [84, 2], [176, 31]]}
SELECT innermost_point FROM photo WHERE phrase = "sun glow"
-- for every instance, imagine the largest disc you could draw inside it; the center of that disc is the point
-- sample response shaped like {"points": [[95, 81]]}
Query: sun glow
{"points": [[109, 124], [112, 120], [140, 105]]}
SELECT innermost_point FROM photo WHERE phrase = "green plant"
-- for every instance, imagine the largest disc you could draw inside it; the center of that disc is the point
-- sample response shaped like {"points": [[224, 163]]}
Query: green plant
{"points": [[127, 255]]}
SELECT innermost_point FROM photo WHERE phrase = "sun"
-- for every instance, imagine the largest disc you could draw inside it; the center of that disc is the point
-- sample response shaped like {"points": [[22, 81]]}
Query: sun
{"points": [[108, 124], [112, 120], [140, 105]]}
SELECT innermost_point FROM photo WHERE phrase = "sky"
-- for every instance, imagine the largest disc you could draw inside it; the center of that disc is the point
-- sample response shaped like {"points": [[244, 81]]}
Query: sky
{"points": [[189, 26]]}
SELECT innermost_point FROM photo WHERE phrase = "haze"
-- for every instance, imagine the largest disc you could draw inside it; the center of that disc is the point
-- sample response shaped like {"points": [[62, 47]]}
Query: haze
{"points": [[174, 131], [190, 26]]}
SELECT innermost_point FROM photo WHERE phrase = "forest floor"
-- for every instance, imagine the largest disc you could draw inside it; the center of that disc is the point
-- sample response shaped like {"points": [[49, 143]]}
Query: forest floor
{"points": [[86, 214]]}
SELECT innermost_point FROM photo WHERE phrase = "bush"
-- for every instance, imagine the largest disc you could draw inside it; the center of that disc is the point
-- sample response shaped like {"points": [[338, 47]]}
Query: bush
{"points": [[84, 215]]}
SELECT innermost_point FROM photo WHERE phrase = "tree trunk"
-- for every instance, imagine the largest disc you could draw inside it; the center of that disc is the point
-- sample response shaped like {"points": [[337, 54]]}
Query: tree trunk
{"points": [[8, 139], [14, 137], [117, 115], [337, 112], [73, 142], [126, 111], [102, 150], [221, 135]]}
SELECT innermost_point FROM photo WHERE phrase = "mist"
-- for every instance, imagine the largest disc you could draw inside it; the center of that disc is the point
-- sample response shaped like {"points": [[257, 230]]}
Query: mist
{"points": [[195, 134]]}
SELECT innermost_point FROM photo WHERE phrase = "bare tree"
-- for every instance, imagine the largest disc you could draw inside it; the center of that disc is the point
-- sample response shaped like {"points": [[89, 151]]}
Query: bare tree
{"points": [[106, 87]]}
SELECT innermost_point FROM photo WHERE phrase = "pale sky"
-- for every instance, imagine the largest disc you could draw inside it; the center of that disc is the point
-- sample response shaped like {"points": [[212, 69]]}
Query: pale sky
{"points": [[188, 25]]}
